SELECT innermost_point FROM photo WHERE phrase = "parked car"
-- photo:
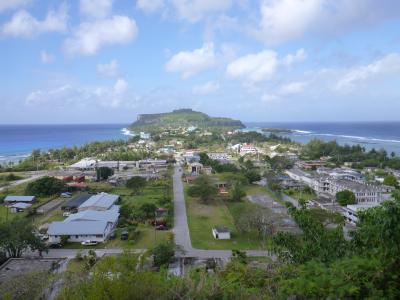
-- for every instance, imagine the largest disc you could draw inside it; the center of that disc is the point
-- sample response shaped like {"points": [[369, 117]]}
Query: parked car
{"points": [[124, 235], [161, 227], [66, 195], [66, 214], [89, 243], [55, 245]]}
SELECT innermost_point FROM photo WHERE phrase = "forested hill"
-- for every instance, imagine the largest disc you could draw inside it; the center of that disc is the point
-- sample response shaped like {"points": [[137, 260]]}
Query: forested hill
{"points": [[183, 117]]}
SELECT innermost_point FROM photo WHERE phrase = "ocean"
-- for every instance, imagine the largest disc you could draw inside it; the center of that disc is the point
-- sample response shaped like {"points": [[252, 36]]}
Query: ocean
{"points": [[378, 135], [18, 141]]}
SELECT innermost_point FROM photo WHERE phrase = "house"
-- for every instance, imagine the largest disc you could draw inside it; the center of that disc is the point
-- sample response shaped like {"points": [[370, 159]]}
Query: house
{"points": [[19, 207], [100, 202], [351, 211], [85, 225], [218, 156], [248, 149], [79, 231], [14, 199], [195, 167], [221, 233], [310, 165]]}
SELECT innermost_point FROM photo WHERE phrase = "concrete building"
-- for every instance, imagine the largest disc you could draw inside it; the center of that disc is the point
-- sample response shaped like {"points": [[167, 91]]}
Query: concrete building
{"points": [[195, 167], [248, 149], [19, 199], [351, 211], [221, 233]]}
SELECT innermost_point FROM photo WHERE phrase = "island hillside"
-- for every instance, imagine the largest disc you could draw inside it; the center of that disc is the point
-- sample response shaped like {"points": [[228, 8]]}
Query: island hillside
{"points": [[182, 118]]}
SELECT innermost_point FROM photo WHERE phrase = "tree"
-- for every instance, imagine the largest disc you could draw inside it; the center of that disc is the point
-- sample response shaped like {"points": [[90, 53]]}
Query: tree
{"points": [[203, 188], [163, 254], [148, 210], [18, 235], [237, 192], [136, 183], [45, 186], [345, 197], [104, 172], [64, 239], [391, 180]]}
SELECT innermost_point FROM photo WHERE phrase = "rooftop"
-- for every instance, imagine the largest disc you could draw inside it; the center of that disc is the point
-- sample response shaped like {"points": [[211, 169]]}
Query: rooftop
{"points": [[19, 198], [77, 228], [102, 200]]}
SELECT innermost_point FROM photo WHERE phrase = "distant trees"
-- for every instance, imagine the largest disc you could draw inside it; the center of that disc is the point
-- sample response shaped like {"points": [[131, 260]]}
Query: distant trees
{"points": [[203, 188], [45, 186], [18, 235], [136, 183], [103, 173], [391, 180], [345, 197]]}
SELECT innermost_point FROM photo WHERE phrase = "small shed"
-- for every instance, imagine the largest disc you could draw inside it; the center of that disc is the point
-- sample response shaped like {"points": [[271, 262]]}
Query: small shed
{"points": [[221, 233], [19, 207]]}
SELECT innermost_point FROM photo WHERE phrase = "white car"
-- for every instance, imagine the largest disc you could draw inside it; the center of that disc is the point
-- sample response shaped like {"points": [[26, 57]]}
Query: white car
{"points": [[66, 214], [89, 243]]}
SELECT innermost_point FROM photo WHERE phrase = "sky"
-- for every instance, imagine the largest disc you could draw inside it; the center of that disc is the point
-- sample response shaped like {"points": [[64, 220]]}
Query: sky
{"points": [[106, 61]]}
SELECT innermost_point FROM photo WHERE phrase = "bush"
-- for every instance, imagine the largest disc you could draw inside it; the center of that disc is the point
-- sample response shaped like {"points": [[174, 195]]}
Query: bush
{"points": [[163, 254], [45, 186], [345, 197]]}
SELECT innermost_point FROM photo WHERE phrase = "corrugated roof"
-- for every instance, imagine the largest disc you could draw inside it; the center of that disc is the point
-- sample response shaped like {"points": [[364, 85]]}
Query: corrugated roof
{"points": [[21, 205], [19, 198], [77, 228], [76, 201], [91, 215], [102, 200]]}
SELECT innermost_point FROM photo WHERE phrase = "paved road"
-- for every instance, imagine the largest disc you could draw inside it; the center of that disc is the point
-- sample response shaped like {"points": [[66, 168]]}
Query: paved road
{"points": [[31, 178], [181, 228]]}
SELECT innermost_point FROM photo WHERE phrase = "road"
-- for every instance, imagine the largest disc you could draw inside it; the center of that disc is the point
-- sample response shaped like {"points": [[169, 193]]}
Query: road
{"points": [[181, 233], [34, 176], [181, 228]]}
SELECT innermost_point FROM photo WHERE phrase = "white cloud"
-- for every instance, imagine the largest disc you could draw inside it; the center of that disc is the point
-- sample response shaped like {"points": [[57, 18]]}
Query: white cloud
{"points": [[190, 63], [254, 67], [292, 88], [12, 4], [150, 6], [108, 69], [262, 66], [290, 59], [267, 98], [96, 8], [285, 20], [205, 89], [23, 24], [389, 64], [46, 57], [195, 10], [69, 95], [89, 37]]}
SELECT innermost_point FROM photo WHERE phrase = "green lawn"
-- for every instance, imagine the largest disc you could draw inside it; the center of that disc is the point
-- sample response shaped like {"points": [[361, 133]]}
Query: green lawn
{"points": [[300, 194], [202, 218]]}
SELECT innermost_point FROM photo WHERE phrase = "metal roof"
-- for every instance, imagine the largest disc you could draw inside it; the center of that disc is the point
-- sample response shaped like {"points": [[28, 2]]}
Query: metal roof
{"points": [[76, 201], [91, 215], [19, 198], [21, 205], [77, 228], [102, 200]]}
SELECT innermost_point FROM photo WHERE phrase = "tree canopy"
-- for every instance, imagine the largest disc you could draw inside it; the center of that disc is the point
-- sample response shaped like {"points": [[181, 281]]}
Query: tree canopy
{"points": [[345, 197], [45, 186]]}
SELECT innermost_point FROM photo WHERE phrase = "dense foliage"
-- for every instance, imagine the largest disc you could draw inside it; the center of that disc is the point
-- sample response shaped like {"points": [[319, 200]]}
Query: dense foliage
{"points": [[18, 235], [203, 188], [355, 154], [345, 197], [45, 186]]}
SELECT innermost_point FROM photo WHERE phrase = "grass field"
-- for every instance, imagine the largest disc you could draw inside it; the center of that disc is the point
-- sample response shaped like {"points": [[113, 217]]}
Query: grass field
{"points": [[202, 218]]}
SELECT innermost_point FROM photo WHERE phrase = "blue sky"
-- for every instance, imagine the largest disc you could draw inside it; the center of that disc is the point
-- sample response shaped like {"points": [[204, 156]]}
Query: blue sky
{"points": [[105, 61]]}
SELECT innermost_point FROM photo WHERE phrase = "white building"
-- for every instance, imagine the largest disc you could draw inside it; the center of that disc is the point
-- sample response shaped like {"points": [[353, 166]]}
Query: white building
{"points": [[248, 149], [85, 225], [221, 233], [351, 211]]}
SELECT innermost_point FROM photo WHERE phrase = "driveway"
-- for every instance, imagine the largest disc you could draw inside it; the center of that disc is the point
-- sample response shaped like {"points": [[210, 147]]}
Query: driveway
{"points": [[181, 228]]}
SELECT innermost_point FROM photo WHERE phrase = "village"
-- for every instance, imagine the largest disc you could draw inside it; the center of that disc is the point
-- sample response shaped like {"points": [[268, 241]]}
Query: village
{"points": [[221, 196]]}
